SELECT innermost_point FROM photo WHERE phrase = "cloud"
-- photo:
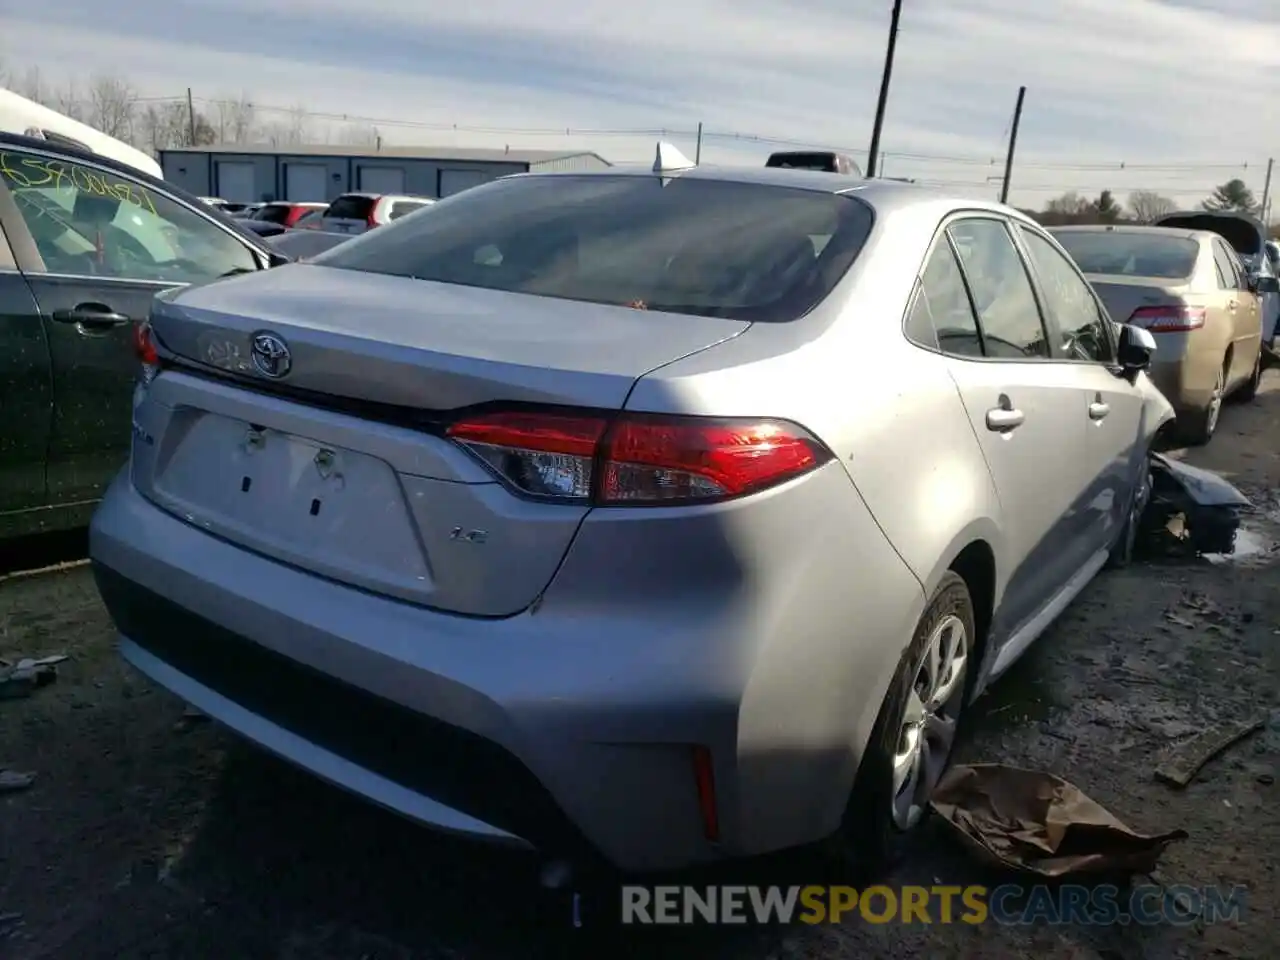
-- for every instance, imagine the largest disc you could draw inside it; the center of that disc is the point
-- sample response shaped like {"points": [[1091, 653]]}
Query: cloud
{"points": [[1110, 82]]}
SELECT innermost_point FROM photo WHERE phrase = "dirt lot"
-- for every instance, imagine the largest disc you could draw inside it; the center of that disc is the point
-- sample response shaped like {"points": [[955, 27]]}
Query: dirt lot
{"points": [[145, 836]]}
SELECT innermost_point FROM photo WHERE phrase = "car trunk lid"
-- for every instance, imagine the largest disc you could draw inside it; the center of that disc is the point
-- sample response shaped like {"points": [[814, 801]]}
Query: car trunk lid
{"points": [[345, 470], [1124, 295], [1244, 233]]}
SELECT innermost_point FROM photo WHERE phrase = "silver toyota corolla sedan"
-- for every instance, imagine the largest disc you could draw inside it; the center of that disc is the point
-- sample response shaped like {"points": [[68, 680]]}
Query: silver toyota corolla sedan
{"points": [[658, 516]]}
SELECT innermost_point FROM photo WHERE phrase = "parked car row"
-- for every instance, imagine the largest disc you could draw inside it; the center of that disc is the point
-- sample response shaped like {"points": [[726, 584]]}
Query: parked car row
{"points": [[351, 213], [1193, 292], [649, 516]]}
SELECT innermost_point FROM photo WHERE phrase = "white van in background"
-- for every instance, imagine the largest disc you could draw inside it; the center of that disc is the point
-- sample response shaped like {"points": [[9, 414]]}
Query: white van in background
{"points": [[22, 116]]}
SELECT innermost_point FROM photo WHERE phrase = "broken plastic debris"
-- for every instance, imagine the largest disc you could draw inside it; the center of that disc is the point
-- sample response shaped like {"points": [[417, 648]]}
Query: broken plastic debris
{"points": [[12, 781], [1183, 762], [1190, 510], [19, 679]]}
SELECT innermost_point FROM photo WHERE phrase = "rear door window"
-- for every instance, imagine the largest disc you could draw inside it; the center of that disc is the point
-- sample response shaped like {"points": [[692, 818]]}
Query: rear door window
{"points": [[1008, 314], [90, 221], [1228, 264], [683, 245], [402, 207], [273, 213], [350, 208]]}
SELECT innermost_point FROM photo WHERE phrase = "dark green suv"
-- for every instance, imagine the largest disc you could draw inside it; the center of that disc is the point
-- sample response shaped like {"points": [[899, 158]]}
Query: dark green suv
{"points": [[85, 243]]}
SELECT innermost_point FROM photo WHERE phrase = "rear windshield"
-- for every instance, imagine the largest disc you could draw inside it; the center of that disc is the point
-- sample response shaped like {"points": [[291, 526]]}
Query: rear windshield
{"points": [[273, 213], [1121, 254], [705, 247], [401, 207], [350, 208]]}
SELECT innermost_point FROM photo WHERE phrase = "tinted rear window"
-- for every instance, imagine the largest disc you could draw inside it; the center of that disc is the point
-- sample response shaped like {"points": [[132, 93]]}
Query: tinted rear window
{"points": [[1121, 254], [350, 208], [273, 213], [705, 247], [401, 207]]}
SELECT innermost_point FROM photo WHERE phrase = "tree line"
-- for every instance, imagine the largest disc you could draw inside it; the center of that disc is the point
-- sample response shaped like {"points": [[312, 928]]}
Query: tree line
{"points": [[110, 103], [1144, 206]]}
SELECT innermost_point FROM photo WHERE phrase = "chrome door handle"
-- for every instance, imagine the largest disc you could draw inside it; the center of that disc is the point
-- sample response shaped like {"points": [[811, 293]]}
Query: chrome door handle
{"points": [[1098, 410], [91, 316], [1002, 420], [1232, 304]]}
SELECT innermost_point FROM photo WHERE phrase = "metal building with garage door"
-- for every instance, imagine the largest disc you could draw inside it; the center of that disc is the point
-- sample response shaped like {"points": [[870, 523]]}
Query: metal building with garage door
{"points": [[250, 173]]}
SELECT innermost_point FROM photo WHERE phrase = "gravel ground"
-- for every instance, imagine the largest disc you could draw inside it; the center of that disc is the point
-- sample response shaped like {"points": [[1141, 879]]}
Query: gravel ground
{"points": [[147, 835]]}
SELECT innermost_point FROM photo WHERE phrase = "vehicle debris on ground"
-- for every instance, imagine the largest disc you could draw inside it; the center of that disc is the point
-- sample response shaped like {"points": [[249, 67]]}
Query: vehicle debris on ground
{"points": [[1030, 821], [1191, 512], [1180, 766], [20, 679]]}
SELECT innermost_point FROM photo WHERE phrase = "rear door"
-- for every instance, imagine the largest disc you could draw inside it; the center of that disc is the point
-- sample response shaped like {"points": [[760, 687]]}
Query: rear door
{"points": [[1112, 408], [1238, 312], [26, 383], [1026, 412], [95, 246]]}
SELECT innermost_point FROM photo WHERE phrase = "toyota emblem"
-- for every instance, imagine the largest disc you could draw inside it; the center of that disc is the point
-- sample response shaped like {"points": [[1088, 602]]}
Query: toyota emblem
{"points": [[271, 356]]}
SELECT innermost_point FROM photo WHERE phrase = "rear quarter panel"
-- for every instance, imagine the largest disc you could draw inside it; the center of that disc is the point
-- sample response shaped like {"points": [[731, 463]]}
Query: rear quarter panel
{"points": [[892, 416], [888, 409]]}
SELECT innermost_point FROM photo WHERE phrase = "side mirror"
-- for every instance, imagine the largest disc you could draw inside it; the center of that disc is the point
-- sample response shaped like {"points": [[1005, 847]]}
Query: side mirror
{"points": [[1266, 284], [1137, 346]]}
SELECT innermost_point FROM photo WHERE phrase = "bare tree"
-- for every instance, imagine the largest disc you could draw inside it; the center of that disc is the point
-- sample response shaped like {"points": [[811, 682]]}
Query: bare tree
{"points": [[234, 120], [1147, 205], [68, 101], [358, 135], [31, 84], [110, 105]]}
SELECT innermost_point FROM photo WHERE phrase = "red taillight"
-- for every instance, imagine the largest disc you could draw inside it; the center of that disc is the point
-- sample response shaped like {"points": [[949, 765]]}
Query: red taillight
{"points": [[705, 782], [638, 459], [1170, 319], [144, 345]]}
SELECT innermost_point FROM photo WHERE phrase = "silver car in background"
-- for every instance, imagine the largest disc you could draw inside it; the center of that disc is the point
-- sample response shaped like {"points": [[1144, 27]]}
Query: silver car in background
{"points": [[650, 516]]}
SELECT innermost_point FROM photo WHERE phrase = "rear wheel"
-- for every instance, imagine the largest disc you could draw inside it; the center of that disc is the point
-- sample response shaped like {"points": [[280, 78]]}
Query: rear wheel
{"points": [[1203, 424], [1250, 388], [1122, 552], [911, 743]]}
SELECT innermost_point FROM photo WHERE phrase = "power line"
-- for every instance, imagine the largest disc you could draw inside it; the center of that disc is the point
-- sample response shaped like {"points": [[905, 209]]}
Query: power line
{"points": [[727, 136]]}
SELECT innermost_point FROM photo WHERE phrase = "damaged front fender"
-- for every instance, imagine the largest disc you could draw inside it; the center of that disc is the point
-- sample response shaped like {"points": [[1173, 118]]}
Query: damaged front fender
{"points": [[1190, 511]]}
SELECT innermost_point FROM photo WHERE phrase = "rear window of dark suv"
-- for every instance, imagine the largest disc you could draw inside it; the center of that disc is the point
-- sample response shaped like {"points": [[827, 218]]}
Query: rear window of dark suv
{"points": [[350, 208], [713, 248]]}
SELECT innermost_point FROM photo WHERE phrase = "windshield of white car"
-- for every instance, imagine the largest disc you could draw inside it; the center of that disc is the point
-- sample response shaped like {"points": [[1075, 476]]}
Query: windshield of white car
{"points": [[684, 245]]}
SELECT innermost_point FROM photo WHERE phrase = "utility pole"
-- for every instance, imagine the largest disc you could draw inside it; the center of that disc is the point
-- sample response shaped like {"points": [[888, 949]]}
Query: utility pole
{"points": [[697, 156], [874, 153], [1013, 144], [1266, 191], [191, 116]]}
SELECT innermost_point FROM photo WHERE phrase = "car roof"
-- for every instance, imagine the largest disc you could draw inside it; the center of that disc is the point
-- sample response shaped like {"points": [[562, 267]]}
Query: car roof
{"points": [[19, 142], [884, 195], [1143, 229]]}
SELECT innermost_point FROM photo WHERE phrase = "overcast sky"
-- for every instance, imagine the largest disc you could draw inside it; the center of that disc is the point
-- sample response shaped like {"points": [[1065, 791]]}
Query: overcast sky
{"points": [[1183, 93]]}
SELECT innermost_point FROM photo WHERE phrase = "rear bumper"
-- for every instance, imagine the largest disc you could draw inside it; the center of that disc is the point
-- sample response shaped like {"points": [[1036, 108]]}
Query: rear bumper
{"points": [[569, 729]]}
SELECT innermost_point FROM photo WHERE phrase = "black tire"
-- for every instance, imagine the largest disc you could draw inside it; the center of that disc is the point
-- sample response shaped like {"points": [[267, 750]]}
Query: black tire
{"points": [[869, 841], [1249, 390], [1123, 550], [1200, 426]]}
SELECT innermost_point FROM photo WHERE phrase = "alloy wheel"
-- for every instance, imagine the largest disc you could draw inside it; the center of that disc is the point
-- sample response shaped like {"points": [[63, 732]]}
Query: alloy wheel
{"points": [[929, 722], [1215, 404]]}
